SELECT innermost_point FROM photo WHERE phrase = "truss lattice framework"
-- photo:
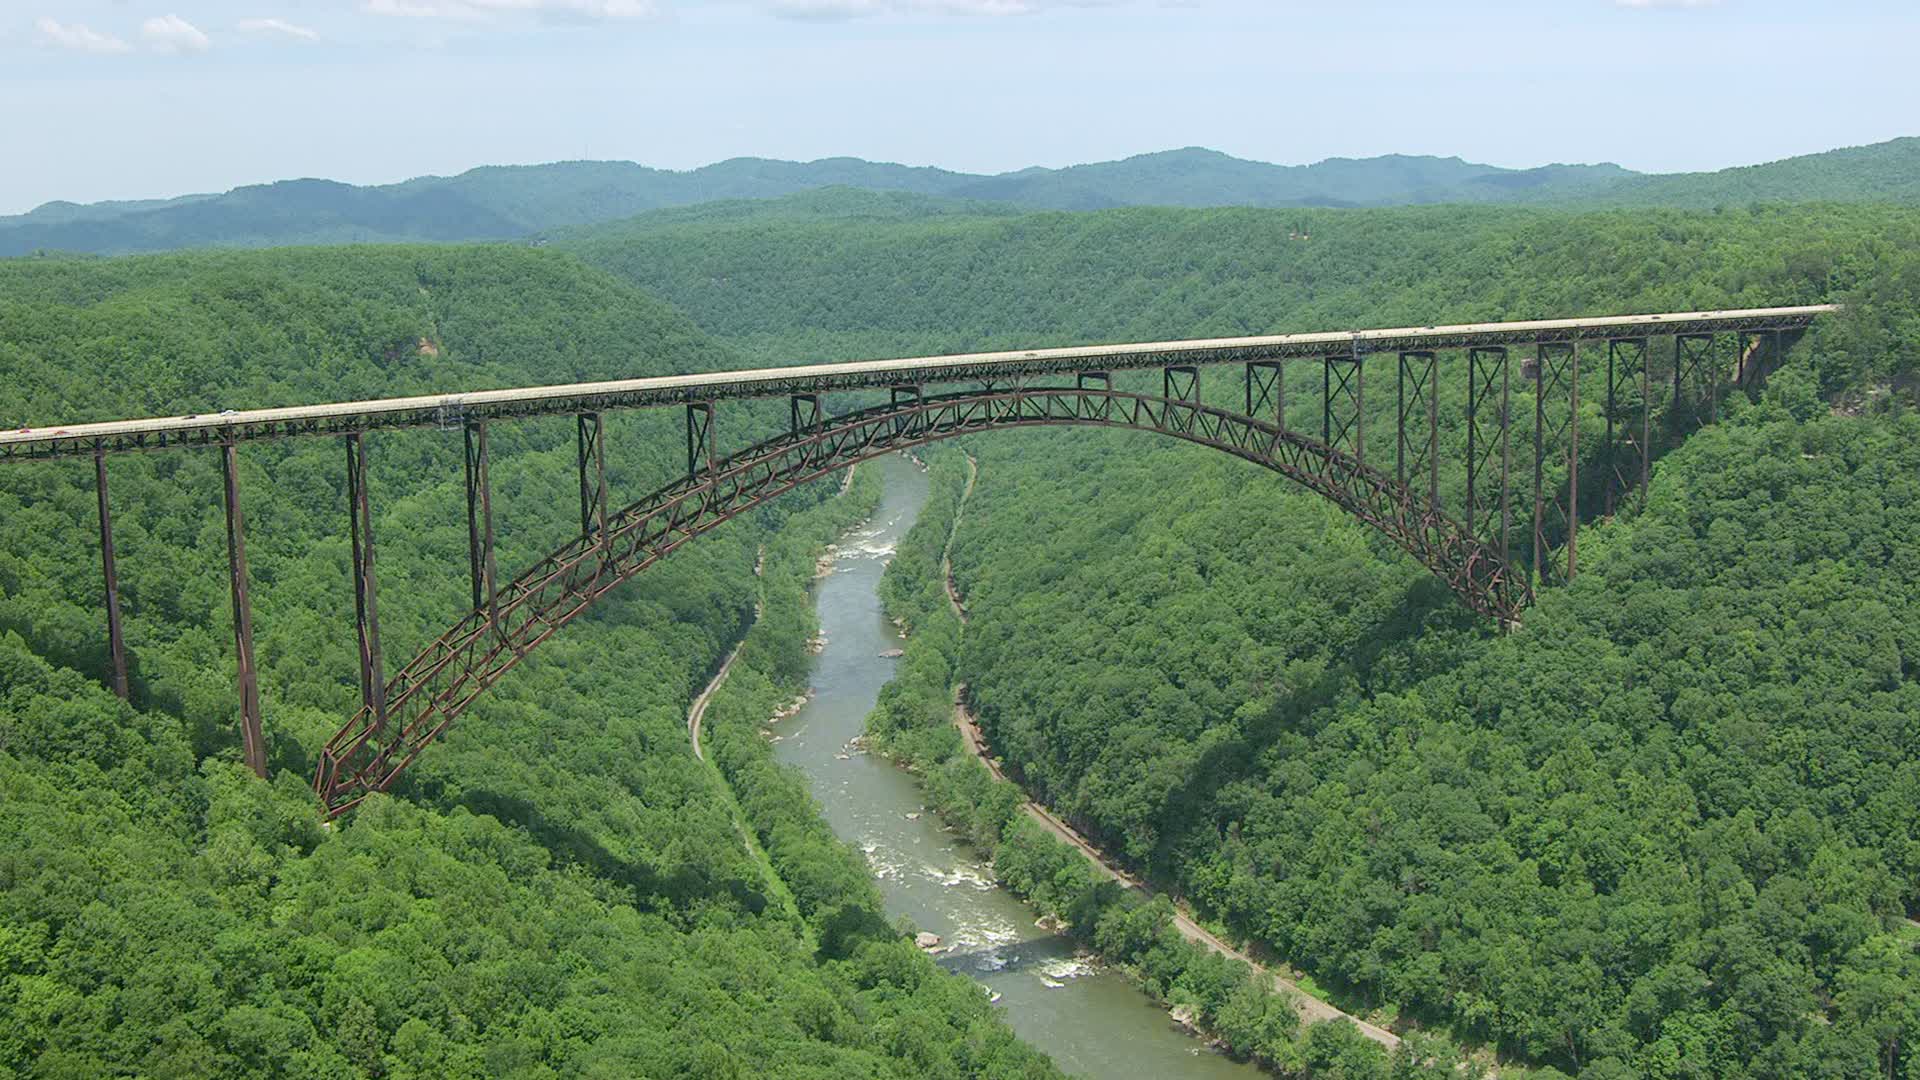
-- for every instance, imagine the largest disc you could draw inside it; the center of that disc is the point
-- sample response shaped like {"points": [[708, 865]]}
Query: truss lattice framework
{"points": [[425, 696]]}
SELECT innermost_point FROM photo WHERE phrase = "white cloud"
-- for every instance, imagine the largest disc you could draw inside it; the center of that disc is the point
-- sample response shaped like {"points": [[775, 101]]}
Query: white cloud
{"points": [[78, 37], [171, 33], [277, 27], [486, 9]]}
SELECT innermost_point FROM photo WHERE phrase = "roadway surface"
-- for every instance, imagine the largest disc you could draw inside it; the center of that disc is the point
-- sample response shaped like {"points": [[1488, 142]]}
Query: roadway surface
{"points": [[445, 410]]}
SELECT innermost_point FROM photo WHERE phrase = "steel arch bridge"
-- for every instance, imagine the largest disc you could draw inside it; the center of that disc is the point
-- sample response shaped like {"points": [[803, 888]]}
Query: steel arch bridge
{"points": [[1469, 547]]}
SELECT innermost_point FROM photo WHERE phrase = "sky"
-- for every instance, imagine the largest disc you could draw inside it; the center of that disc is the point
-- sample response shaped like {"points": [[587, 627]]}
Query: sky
{"points": [[114, 99]]}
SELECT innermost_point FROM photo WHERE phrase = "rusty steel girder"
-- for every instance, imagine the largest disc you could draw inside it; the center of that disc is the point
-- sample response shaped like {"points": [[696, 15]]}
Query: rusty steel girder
{"points": [[433, 689]]}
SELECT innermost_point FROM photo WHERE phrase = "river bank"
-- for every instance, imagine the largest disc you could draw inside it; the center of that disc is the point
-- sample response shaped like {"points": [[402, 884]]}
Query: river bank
{"points": [[1090, 1018]]}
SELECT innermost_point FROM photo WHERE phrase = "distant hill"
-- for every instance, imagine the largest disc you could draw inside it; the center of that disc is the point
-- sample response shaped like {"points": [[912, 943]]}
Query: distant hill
{"points": [[1882, 172], [516, 202], [61, 212], [490, 203], [1198, 177]]}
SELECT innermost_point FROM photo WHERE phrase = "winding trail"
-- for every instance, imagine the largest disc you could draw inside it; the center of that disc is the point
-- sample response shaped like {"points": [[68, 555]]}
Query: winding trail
{"points": [[697, 711], [946, 553], [1312, 1010]]}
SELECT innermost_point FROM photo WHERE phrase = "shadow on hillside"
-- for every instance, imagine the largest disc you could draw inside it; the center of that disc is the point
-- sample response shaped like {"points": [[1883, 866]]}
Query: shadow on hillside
{"points": [[651, 890]]}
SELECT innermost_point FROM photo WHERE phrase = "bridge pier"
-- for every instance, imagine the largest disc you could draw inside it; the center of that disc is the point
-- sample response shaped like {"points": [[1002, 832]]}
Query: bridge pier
{"points": [[700, 452], [116, 643], [253, 743], [1489, 390], [1693, 370], [366, 598], [1756, 355], [1343, 424], [1628, 457], [593, 474], [1420, 408], [1556, 379], [480, 521], [1267, 391]]}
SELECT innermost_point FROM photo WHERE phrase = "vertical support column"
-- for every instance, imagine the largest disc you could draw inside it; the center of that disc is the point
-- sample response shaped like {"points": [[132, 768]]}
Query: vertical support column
{"points": [[480, 521], [1342, 401], [700, 456], [593, 475], [366, 599], [1506, 459], [1267, 391], [1417, 448], [1646, 415], [109, 569], [1627, 440], [253, 744], [1556, 510], [1359, 372], [1489, 513]]}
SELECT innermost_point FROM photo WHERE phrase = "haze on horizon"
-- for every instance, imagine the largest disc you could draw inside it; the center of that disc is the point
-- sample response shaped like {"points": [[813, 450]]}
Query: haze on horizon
{"points": [[116, 99]]}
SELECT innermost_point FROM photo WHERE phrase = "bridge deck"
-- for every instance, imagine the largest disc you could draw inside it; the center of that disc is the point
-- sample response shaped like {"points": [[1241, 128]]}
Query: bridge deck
{"points": [[444, 409]]}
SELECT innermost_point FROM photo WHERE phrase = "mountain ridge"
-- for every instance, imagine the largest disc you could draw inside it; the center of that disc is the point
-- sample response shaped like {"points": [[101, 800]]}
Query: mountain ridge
{"points": [[517, 202]]}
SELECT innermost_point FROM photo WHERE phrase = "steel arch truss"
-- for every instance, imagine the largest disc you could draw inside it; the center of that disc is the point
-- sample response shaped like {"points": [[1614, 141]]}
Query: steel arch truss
{"points": [[425, 696]]}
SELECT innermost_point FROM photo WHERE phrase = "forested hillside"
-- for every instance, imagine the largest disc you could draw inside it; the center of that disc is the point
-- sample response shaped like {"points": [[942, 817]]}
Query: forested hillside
{"points": [[526, 201], [560, 888], [861, 277], [1666, 829]]}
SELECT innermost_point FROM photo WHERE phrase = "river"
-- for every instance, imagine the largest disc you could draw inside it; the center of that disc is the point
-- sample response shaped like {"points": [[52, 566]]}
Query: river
{"points": [[1091, 1020]]}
